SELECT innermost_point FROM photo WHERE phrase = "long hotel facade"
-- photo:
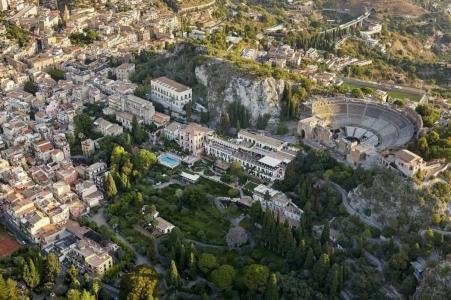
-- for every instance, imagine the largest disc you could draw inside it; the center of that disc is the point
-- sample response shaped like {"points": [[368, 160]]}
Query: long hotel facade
{"points": [[261, 156]]}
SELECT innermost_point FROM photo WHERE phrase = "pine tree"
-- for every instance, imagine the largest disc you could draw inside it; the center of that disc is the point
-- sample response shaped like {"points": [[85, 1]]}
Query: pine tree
{"points": [[111, 189], [271, 291], [174, 277]]}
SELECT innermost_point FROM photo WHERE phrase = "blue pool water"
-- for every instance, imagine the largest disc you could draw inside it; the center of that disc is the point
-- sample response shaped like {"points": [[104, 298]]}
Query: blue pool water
{"points": [[169, 161]]}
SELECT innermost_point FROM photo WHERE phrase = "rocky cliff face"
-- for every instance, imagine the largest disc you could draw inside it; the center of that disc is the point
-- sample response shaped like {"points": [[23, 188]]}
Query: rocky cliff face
{"points": [[225, 83]]}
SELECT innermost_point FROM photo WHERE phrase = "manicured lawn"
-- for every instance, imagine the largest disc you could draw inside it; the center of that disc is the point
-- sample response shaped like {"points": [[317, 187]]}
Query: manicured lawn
{"points": [[214, 188], [205, 224]]}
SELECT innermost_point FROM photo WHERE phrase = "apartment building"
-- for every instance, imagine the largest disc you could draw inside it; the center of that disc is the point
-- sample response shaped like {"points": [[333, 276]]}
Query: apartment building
{"points": [[142, 109], [96, 259], [87, 147], [124, 71], [107, 128], [95, 170], [193, 137], [88, 192], [171, 94]]}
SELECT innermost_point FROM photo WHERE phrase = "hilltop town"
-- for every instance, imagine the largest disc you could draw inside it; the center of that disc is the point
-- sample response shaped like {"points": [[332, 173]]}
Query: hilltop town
{"points": [[213, 149]]}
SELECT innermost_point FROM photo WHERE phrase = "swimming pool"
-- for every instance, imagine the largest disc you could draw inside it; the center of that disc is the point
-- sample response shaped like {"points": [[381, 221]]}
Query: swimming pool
{"points": [[169, 160]]}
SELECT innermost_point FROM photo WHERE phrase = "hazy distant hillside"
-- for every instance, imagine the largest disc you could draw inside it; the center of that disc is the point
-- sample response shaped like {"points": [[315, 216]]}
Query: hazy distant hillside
{"points": [[392, 7]]}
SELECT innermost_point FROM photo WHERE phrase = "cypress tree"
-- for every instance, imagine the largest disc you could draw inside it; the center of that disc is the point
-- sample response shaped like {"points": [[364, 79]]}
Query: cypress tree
{"points": [[182, 257], [111, 189], [325, 234], [52, 267], [174, 277], [26, 275], [31, 275], [300, 253], [332, 281], [321, 268], [309, 259], [192, 264], [271, 291]]}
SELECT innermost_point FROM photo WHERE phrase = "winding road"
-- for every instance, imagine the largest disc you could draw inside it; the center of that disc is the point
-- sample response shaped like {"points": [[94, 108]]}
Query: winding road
{"points": [[352, 211]]}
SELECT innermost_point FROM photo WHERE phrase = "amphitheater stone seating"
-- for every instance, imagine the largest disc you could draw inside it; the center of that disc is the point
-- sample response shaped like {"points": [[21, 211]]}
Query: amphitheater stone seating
{"points": [[387, 130], [379, 125], [372, 123], [368, 122], [354, 108], [339, 108], [359, 132], [355, 119], [373, 112]]}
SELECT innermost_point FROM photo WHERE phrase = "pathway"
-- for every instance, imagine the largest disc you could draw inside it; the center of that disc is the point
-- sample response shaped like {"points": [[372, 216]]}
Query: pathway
{"points": [[205, 245], [166, 184], [351, 210]]}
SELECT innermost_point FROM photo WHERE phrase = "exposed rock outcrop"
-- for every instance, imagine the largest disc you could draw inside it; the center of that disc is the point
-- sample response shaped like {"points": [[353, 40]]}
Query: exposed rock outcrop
{"points": [[224, 83]]}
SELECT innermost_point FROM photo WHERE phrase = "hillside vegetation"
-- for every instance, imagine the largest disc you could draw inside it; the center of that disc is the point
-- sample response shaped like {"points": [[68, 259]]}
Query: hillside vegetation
{"points": [[394, 202], [390, 7]]}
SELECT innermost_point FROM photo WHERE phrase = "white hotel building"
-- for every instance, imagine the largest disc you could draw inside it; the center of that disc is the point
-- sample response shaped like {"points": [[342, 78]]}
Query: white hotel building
{"points": [[171, 94], [259, 155]]}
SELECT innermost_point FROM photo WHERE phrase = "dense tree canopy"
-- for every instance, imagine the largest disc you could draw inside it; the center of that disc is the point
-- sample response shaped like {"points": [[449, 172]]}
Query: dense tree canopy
{"points": [[140, 284], [256, 277], [223, 277]]}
